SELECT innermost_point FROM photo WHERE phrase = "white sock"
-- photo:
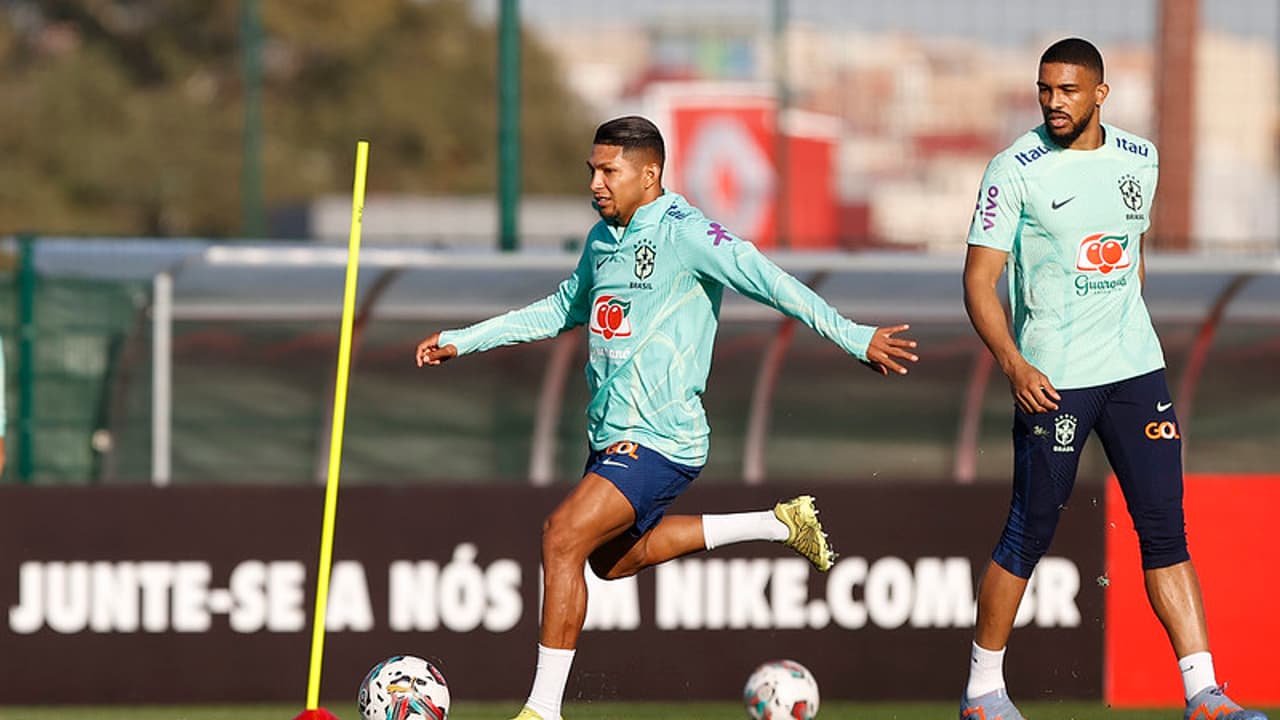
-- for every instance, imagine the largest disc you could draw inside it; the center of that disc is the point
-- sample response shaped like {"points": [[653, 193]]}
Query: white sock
{"points": [[1197, 673], [986, 671], [549, 681], [718, 530]]}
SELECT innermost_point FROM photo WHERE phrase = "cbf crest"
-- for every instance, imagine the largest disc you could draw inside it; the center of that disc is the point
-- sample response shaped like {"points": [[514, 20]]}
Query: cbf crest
{"points": [[646, 256], [1064, 433], [1131, 192]]}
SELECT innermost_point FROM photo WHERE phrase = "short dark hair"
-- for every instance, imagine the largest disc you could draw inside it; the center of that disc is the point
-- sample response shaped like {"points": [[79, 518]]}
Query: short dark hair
{"points": [[632, 132], [1074, 51]]}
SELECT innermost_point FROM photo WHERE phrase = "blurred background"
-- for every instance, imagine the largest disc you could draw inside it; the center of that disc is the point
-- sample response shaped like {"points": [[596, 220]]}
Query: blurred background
{"points": [[175, 202], [176, 179]]}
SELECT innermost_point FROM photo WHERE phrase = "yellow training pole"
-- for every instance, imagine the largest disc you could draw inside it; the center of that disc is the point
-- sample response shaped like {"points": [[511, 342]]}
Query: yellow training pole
{"points": [[339, 418]]}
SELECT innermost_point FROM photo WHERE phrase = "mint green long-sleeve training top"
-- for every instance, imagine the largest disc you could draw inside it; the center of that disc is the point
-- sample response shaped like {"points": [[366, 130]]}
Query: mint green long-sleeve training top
{"points": [[650, 295]]}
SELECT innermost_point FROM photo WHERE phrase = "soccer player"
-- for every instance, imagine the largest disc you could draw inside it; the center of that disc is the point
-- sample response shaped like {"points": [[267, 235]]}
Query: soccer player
{"points": [[648, 286], [1064, 209]]}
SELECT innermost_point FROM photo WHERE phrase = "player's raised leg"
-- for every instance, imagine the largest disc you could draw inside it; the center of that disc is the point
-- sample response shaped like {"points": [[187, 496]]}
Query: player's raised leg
{"points": [[793, 523]]}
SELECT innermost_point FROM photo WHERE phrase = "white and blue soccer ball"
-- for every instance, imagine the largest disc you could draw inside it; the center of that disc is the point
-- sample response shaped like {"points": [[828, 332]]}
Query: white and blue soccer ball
{"points": [[404, 687], [781, 690]]}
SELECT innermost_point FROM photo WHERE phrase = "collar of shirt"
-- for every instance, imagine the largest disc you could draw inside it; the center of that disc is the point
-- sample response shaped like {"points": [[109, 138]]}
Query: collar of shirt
{"points": [[1108, 140], [651, 213]]}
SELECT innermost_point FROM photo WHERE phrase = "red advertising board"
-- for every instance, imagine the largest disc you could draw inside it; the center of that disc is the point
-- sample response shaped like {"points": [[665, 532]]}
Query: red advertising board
{"points": [[726, 154], [1236, 549]]}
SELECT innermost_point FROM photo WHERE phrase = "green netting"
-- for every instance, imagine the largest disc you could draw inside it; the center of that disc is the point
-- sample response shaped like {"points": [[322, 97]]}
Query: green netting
{"points": [[80, 335]]}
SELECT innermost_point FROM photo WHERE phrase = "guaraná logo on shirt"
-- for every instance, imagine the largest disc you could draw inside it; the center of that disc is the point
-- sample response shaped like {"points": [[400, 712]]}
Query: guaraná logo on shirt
{"points": [[609, 317], [1103, 253]]}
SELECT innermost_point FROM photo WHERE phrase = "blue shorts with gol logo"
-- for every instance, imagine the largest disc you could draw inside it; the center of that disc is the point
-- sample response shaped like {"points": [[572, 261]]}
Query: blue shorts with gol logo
{"points": [[1138, 427], [648, 480]]}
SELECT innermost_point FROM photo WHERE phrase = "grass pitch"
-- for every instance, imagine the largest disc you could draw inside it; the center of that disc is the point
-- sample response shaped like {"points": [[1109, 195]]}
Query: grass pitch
{"points": [[592, 711]]}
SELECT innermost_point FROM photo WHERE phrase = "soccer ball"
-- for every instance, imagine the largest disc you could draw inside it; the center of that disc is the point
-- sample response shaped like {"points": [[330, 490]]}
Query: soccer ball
{"points": [[781, 690], [404, 687]]}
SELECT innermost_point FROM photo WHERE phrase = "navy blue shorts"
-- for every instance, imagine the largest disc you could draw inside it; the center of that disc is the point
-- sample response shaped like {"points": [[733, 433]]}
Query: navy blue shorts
{"points": [[1136, 423], [648, 480]]}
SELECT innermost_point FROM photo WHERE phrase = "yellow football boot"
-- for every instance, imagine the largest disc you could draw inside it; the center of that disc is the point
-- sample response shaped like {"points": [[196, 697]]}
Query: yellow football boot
{"points": [[806, 536]]}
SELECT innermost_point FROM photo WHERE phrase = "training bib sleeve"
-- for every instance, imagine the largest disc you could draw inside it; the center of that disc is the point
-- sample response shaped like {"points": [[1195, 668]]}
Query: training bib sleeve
{"points": [[566, 308], [715, 254], [999, 208]]}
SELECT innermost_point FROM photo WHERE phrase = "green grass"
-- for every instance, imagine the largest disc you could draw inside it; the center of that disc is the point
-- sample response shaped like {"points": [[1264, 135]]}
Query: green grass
{"points": [[590, 711]]}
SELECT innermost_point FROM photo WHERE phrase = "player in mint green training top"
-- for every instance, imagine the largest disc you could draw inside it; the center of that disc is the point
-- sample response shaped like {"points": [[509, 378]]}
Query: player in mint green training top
{"points": [[1064, 209], [648, 287]]}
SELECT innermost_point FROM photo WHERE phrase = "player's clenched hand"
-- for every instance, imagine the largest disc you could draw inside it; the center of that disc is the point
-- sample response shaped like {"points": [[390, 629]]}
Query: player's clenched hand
{"points": [[884, 348], [430, 352], [1032, 389]]}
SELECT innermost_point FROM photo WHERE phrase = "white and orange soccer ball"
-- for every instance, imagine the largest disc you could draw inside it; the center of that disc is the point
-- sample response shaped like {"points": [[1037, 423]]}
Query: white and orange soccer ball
{"points": [[404, 687], [781, 690]]}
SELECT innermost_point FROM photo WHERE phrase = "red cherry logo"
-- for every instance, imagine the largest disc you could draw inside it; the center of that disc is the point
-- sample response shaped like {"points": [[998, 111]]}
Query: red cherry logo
{"points": [[1094, 253], [1112, 252]]}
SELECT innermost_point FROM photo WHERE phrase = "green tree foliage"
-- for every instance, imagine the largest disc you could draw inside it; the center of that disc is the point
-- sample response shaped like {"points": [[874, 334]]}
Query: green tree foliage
{"points": [[126, 117]]}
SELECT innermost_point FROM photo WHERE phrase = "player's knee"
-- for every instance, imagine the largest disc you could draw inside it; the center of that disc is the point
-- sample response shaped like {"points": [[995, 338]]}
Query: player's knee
{"points": [[1162, 539], [1017, 559], [1164, 554], [1023, 543], [560, 537]]}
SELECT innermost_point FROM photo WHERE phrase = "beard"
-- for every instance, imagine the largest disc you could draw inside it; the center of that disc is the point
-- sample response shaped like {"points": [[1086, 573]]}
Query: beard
{"points": [[1066, 137], [611, 216]]}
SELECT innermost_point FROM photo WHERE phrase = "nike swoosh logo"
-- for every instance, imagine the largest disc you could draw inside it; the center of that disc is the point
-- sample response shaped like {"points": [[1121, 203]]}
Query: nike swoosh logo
{"points": [[600, 263], [614, 463], [1055, 204], [1161, 407]]}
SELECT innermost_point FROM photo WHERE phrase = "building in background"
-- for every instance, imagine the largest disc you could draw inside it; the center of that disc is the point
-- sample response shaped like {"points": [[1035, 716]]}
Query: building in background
{"points": [[916, 116], [890, 119]]}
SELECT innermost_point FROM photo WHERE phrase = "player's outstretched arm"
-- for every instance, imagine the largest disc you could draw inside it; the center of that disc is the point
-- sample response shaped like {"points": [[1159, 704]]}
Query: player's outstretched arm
{"points": [[430, 352], [739, 265], [563, 309], [1031, 388], [885, 351]]}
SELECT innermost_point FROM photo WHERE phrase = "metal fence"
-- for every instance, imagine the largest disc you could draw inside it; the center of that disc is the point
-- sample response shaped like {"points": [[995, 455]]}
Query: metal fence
{"points": [[194, 361]]}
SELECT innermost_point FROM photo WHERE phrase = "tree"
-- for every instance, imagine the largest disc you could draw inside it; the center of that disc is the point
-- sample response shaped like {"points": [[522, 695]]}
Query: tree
{"points": [[126, 117]]}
